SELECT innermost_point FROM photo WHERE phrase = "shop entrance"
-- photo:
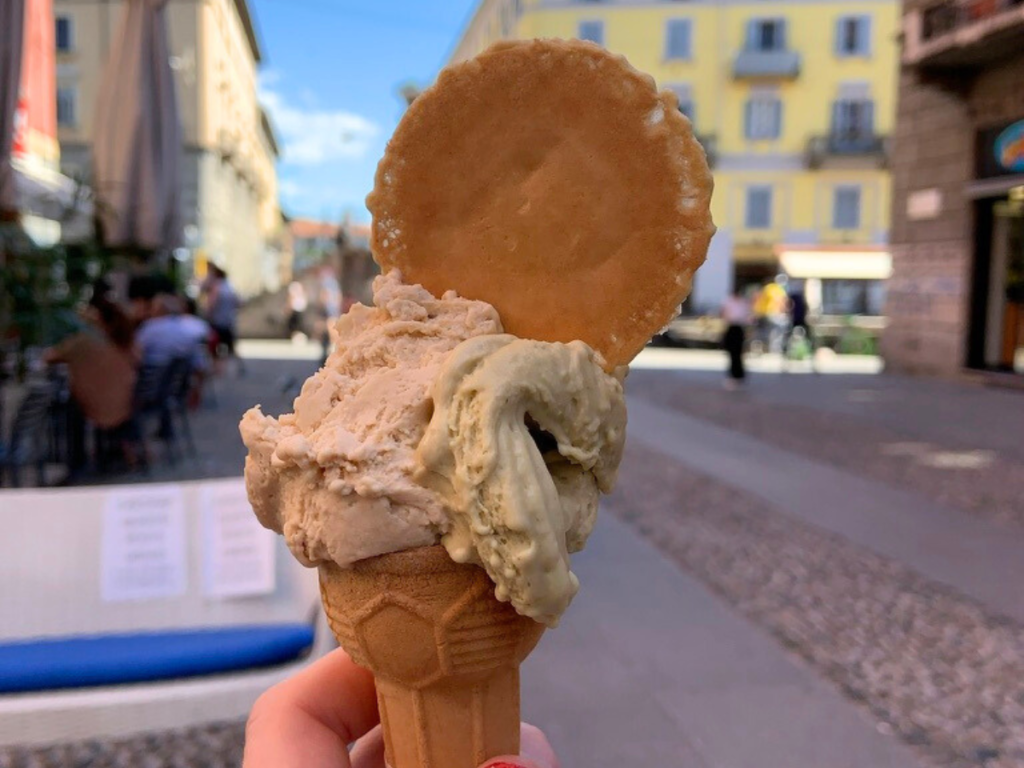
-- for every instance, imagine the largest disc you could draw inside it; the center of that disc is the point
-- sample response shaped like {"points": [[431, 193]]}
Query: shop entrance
{"points": [[1000, 285]]}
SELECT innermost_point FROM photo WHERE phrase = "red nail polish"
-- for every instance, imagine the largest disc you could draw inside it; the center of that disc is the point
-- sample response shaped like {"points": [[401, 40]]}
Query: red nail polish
{"points": [[503, 764]]}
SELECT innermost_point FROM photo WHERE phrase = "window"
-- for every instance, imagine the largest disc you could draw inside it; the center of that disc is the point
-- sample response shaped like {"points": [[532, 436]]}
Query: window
{"points": [[67, 103], [853, 121], [677, 39], [852, 297], [853, 36], [846, 208], [64, 39], [766, 35], [759, 207], [591, 30], [762, 117]]}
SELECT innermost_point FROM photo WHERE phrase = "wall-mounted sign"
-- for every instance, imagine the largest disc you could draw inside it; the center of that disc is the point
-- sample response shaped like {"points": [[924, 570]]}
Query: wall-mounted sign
{"points": [[999, 150], [924, 204], [1009, 147]]}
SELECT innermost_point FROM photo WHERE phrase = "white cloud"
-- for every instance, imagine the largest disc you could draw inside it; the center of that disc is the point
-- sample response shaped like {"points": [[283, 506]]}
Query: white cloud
{"points": [[268, 77], [289, 188], [311, 135]]}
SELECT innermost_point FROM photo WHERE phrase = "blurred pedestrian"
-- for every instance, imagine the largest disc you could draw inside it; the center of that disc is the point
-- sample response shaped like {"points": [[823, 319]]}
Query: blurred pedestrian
{"points": [[737, 315], [774, 303], [798, 326], [222, 304], [297, 304], [330, 308], [201, 334]]}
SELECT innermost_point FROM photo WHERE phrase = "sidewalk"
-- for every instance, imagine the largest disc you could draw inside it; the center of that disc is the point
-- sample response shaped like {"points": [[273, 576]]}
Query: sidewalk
{"points": [[649, 669]]}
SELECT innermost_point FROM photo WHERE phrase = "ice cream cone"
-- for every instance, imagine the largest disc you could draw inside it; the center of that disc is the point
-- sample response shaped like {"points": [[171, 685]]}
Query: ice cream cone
{"points": [[444, 651]]}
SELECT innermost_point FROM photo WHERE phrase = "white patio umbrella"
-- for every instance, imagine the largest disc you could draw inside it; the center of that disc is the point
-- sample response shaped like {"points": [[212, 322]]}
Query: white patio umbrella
{"points": [[12, 30], [137, 135]]}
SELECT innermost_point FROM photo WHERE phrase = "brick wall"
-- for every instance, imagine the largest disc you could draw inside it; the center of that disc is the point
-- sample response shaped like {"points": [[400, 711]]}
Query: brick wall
{"points": [[928, 293]]}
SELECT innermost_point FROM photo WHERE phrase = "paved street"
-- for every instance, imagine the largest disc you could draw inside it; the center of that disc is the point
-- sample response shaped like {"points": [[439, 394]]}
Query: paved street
{"points": [[821, 570]]}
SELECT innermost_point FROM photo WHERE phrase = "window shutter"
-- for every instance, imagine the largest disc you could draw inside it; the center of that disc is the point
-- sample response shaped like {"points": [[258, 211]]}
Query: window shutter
{"points": [[837, 117], [869, 118], [753, 43], [864, 35], [777, 122], [838, 43], [748, 119], [685, 31], [780, 40]]}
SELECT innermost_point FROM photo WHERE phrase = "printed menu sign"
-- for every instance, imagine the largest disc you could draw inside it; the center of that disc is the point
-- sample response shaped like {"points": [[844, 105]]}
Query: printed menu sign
{"points": [[144, 544], [238, 553]]}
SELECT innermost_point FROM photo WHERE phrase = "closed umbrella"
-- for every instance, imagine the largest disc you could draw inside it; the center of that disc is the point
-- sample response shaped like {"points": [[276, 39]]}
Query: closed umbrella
{"points": [[137, 144], [12, 29]]}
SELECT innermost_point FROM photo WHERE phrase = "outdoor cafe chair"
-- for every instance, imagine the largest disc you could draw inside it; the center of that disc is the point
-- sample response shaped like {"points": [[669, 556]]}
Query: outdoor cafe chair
{"points": [[152, 389], [29, 441], [179, 385]]}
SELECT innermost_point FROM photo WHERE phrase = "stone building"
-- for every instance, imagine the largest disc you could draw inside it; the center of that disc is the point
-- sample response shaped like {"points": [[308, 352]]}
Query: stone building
{"points": [[229, 195], [956, 298]]}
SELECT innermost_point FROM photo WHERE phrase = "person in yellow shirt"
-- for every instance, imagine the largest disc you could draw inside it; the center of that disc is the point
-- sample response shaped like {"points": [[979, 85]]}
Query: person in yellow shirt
{"points": [[770, 308]]}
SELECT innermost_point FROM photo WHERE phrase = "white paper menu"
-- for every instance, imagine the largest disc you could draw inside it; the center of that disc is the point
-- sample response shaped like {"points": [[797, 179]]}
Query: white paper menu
{"points": [[238, 553], [144, 544]]}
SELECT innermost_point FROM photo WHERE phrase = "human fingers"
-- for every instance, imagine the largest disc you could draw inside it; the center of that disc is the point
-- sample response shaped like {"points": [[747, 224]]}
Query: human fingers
{"points": [[308, 720]]}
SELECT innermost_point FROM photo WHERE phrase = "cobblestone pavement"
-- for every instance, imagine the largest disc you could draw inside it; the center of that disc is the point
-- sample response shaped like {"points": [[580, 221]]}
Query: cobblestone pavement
{"points": [[218, 745], [933, 666], [974, 474]]}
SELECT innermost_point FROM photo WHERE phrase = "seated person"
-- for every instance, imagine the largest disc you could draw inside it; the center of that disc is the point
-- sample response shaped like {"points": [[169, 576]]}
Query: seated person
{"points": [[101, 365], [164, 337]]}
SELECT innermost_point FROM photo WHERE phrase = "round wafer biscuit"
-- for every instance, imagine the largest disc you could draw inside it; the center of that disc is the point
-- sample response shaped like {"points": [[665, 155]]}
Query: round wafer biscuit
{"points": [[550, 179]]}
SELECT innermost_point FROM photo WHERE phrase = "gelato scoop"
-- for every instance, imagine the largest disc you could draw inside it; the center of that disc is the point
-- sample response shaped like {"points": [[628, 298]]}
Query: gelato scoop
{"points": [[524, 438], [429, 424]]}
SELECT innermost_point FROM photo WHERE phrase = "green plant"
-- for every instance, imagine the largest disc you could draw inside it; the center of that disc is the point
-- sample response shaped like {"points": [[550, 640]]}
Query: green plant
{"points": [[42, 288]]}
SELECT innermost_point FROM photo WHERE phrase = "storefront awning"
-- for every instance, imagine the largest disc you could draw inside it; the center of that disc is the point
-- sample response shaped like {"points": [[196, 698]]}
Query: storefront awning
{"points": [[844, 264], [52, 206]]}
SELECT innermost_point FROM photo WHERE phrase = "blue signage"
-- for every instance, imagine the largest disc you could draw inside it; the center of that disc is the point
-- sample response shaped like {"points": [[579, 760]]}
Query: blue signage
{"points": [[1009, 147]]}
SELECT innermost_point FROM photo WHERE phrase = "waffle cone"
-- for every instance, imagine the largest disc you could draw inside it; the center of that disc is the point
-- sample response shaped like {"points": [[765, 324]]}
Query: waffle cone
{"points": [[444, 652]]}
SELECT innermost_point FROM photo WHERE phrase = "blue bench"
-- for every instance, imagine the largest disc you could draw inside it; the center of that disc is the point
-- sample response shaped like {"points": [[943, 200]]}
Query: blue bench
{"points": [[78, 662]]}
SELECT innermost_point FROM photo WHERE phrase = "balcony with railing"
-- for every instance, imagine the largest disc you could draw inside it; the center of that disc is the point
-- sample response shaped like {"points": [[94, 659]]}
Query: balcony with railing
{"points": [[781, 62], [963, 33], [847, 150]]}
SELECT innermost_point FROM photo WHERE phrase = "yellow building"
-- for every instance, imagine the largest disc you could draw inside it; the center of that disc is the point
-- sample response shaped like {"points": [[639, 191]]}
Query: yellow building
{"points": [[794, 101], [229, 195]]}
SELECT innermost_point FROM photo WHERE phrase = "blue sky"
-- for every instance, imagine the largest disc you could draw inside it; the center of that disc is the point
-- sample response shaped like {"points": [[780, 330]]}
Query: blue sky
{"points": [[330, 78]]}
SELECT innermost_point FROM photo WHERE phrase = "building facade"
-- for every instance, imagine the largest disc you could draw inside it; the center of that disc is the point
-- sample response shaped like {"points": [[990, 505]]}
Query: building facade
{"points": [[794, 102], [957, 293], [229, 178]]}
